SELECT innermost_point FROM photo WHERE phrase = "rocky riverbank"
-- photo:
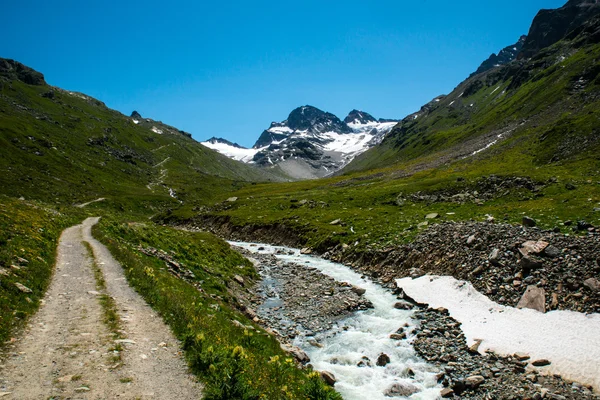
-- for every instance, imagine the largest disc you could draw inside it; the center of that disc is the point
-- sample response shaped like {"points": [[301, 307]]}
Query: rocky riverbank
{"points": [[292, 299], [466, 374], [500, 260]]}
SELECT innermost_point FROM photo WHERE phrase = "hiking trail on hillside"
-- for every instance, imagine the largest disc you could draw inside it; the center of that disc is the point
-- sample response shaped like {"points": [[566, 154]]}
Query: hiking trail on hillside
{"points": [[68, 351]]}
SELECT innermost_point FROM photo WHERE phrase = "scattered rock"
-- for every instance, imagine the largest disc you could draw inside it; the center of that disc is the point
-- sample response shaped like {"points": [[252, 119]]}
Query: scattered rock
{"points": [[540, 363], [533, 247], [521, 356], [364, 362], [238, 279], [23, 288], [474, 381], [447, 393], [66, 378], [306, 250], [474, 348], [4, 272], [335, 222], [231, 200], [298, 353], [494, 257], [432, 216], [471, 240], [328, 377], [358, 290], [383, 360], [551, 252], [534, 298], [403, 305], [592, 284], [529, 222], [401, 390]]}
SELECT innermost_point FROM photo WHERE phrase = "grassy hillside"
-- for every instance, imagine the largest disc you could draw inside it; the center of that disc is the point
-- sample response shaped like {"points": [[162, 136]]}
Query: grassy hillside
{"points": [[67, 148], [547, 106]]}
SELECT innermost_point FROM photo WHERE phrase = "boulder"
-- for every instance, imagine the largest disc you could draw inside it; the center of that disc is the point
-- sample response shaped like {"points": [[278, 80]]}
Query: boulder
{"points": [[401, 390], [593, 284], [534, 298], [403, 305], [383, 360], [238, 279], [447, 393], [432, 216], [358, 290], [474, 381], [529, 222], [533, 247], [328, 378]]}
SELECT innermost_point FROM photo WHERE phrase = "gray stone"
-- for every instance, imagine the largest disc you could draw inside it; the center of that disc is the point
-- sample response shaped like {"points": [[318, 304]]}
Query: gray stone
{"points": [[534, 298], [23, 288], [593, 284], [335, 222], [232, 199], [533, 247], [401, 390], [529, 222], [474, 381], [432, 216], [403, 305], [470, 240], [358, 290], [239, 279]]}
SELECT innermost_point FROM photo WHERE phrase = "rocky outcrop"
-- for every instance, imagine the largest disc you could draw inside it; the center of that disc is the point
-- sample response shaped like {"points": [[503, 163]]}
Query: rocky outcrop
{"points": [[15, 70], [504, 56], [550, 26]]}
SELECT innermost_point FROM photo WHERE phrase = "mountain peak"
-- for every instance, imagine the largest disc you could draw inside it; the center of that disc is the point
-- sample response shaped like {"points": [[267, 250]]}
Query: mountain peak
{"points": [[359, 117], [311, 119], [136, 115]]}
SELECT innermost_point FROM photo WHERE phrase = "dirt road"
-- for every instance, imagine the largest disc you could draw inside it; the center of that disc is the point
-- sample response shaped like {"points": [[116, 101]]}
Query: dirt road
{"points": [[67, 351]]}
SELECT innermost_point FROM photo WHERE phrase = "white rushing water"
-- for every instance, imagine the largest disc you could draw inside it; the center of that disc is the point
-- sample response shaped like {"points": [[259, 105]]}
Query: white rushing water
{"points": [[363, 334]]}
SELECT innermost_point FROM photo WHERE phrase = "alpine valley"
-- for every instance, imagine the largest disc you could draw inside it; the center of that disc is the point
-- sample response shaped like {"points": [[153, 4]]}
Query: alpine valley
{"points": [[451, 253]]}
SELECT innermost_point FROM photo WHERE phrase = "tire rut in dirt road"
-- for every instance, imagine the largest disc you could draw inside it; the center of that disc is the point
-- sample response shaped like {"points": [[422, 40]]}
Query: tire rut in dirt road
{"points": [[67, 350]]}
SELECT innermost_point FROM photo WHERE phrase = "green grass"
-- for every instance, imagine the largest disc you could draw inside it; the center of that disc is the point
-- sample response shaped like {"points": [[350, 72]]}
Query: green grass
{"points": [[232, 362], [29, 233], [109, 307]]}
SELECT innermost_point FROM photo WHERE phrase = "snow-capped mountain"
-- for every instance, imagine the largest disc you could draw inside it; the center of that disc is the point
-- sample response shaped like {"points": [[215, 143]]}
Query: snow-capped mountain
{"points": [[310, 143]]}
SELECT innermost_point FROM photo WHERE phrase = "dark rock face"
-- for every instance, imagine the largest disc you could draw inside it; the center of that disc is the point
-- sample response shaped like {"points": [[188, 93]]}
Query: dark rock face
{"points": [[360, 117], [224, 141], [267, 138], [550, 26], [506, 55], [315, 121], [15, 70], [136, 115]]}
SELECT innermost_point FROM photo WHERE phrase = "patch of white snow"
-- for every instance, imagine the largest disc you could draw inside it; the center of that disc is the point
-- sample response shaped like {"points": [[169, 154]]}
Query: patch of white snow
{"points": [[568, 339]]}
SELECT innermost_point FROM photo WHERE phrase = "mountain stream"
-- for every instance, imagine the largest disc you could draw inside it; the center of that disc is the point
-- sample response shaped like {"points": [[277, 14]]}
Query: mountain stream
{"points": [[351, 347]]}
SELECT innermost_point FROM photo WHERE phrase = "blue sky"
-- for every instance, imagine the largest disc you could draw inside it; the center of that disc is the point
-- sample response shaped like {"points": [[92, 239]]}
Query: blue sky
{"points": [[229, 68]]}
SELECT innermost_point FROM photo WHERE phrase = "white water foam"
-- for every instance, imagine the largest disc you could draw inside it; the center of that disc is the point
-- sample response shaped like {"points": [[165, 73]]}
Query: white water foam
{"points": [[365, 333]]}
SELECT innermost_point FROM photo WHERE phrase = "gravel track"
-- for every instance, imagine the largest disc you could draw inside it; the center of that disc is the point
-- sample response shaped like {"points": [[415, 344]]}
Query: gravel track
{"points": [[66, 351]]}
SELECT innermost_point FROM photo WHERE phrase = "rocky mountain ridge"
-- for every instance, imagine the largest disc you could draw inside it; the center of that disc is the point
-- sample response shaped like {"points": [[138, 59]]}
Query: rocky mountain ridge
{"points": [[310, 143]]}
